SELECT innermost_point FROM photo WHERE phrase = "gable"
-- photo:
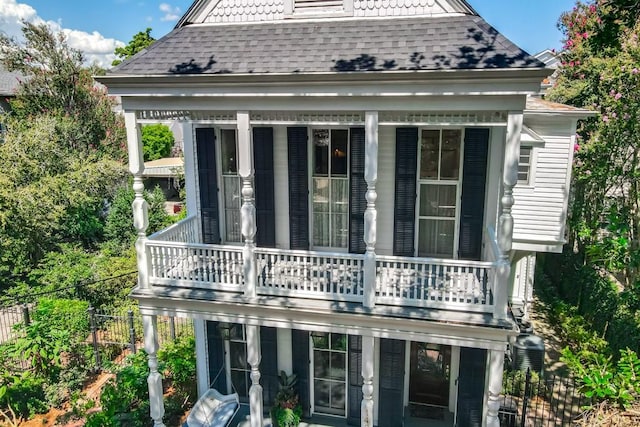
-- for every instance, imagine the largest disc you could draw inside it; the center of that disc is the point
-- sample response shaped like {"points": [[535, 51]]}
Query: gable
{"points": [[220, 11]]}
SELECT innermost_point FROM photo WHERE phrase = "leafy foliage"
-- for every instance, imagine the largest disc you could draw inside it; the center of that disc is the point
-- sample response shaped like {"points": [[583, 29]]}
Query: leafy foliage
{"points": [[157, 141], [287, 410], [140, 41]]}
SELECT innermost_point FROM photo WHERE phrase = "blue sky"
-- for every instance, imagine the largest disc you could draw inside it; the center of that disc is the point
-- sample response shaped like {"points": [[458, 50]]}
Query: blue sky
{"points": [[96, 27]]}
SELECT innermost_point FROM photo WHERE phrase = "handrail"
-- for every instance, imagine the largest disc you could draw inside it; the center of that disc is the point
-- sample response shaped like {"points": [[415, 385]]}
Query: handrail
{"points": [[167, 233], [437, 261], [297, 252], [493, 243]]}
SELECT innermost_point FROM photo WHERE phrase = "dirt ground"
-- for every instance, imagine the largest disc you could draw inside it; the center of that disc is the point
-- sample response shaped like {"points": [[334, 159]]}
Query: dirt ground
{"points": [[552, 344]]}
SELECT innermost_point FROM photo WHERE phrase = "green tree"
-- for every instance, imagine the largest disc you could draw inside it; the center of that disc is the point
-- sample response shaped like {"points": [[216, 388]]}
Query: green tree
{"points": [[157, 141], [601, 70], [140, 41]]}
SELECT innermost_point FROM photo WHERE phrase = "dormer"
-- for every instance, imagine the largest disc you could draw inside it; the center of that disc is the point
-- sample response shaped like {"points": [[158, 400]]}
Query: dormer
{"points": [[228, 11]]}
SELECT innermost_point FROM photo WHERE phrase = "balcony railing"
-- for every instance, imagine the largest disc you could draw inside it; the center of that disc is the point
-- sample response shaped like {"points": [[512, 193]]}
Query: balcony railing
{"points": [[400, 281]]}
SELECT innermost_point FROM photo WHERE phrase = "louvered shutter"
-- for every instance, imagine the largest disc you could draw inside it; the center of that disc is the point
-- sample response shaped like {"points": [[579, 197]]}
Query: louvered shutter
{"points": [[208, 184], [357, 192], [391, 401], [473, 363], [298, 188], [264, 188], [215, 349], [300, 356], [355, 380], [474, 177], [405, 202], [269, 364]]}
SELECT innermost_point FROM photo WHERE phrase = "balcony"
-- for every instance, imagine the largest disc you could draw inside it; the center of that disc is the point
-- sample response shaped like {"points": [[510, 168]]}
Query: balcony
{"points": [[175, 259]]}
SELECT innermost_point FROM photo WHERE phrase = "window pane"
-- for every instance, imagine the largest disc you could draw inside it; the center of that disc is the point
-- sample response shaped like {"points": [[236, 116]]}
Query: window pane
{"points": [[339, 147], [239, 380], [428, 200], [321, 229], [321, 393], [435, 238], [340, 230], [236, 332], [228, 151], [450, 155], [339, 342], [429, 154], [321, 152], [438, 200], [340, 195], [337, 396], [238, 355], [321, 364], [447, 201], [320, 340], [445, 236], [338, 366]]}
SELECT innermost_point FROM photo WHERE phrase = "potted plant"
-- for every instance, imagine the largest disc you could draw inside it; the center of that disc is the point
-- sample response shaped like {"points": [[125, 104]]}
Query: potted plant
{"points": [[286, 411]]}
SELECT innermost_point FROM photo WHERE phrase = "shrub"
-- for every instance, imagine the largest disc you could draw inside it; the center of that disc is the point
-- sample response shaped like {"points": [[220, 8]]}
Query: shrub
{"points": [[286, 411]]}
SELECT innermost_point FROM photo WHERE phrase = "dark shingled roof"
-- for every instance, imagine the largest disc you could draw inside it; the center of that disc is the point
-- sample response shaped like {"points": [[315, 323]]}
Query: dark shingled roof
{"points": [[298, 46]]}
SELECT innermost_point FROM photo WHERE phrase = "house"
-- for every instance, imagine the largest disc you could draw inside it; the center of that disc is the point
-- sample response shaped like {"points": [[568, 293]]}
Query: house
{"points": [[368, 182]]}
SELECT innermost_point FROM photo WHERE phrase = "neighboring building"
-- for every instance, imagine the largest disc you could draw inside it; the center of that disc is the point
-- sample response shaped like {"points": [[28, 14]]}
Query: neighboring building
{"points": [[367, 186], [9, 82], [550, 59]]}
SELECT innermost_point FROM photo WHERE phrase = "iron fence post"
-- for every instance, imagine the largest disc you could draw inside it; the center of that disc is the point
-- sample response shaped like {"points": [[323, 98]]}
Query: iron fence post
{"points": [[94, 336], [25, 315], [132, 332], [525, 399]]}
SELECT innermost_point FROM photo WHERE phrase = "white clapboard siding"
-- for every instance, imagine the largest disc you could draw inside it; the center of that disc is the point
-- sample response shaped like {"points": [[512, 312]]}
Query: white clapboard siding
{"points": [[281, 186], [386, 188], [540, 208]]}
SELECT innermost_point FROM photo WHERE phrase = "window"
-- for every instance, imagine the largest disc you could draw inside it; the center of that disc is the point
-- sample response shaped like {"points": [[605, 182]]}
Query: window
{"points": [[524, 165], [439, 191], [330, 186], [239, 372], [329, 373], [231, 186]]}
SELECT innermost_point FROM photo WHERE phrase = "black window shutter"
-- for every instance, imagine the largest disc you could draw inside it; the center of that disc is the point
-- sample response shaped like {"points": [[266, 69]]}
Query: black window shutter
{"points": [[357, 192], [355, 380], [298, 188], [269, 364], [300, 355], [264, 193], [405, 203], [215, 348], [474, 177], [473, 363], [391, 401], [208, 184]]}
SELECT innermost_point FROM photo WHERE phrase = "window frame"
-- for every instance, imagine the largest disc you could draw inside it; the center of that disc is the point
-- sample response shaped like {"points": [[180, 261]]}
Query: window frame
{"points": [[231, 387], [221, 188], [533, 158], [440, 182], [312, 176], [312, 376]]}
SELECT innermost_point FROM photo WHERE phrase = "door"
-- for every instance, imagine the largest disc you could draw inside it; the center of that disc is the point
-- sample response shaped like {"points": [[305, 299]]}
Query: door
{"points": [[430, 371]]}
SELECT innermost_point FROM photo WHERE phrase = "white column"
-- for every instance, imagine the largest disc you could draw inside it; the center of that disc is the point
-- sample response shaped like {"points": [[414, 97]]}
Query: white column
{"points": [[154, 381], [368, 355], [190, 170], [139, 205], [248, 210], [496, 367], [202, 368], [505, 222], [255, 391], [370, 214]]}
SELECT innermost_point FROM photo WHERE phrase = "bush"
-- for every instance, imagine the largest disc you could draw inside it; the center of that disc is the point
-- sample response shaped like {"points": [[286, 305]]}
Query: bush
{"points": [[24, 394], [157, 141]]}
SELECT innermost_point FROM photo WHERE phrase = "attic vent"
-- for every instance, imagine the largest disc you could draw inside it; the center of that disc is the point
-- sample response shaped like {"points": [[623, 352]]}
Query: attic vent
{"points": [[306, 6], [303, 8]]}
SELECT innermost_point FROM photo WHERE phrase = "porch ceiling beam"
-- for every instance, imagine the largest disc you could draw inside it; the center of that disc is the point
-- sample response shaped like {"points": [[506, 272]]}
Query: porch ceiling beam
{"points": [[489, 336], [330, 104]]}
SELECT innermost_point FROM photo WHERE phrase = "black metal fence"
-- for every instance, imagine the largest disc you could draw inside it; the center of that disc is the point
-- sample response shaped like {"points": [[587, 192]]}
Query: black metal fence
{"points": [[531, 400], [112, 333]]}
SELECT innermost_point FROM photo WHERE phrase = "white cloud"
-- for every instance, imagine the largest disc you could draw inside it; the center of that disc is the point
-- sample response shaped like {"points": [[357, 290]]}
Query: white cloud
{"points": [[171, 13], [95, 46]]}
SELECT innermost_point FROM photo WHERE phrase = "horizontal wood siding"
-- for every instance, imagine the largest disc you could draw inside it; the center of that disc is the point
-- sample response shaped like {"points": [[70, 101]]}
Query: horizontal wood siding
{"points": [[540, 209], [281, 185], [386, 189]]}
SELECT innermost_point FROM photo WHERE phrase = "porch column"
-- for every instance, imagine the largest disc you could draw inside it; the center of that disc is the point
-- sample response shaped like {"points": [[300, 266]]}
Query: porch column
{"points": [[366, 411], [370, 214], [248, 210], [505, 222], [154, 381], [139, 205], [190, 174], [255, 391], [496, 367]]}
